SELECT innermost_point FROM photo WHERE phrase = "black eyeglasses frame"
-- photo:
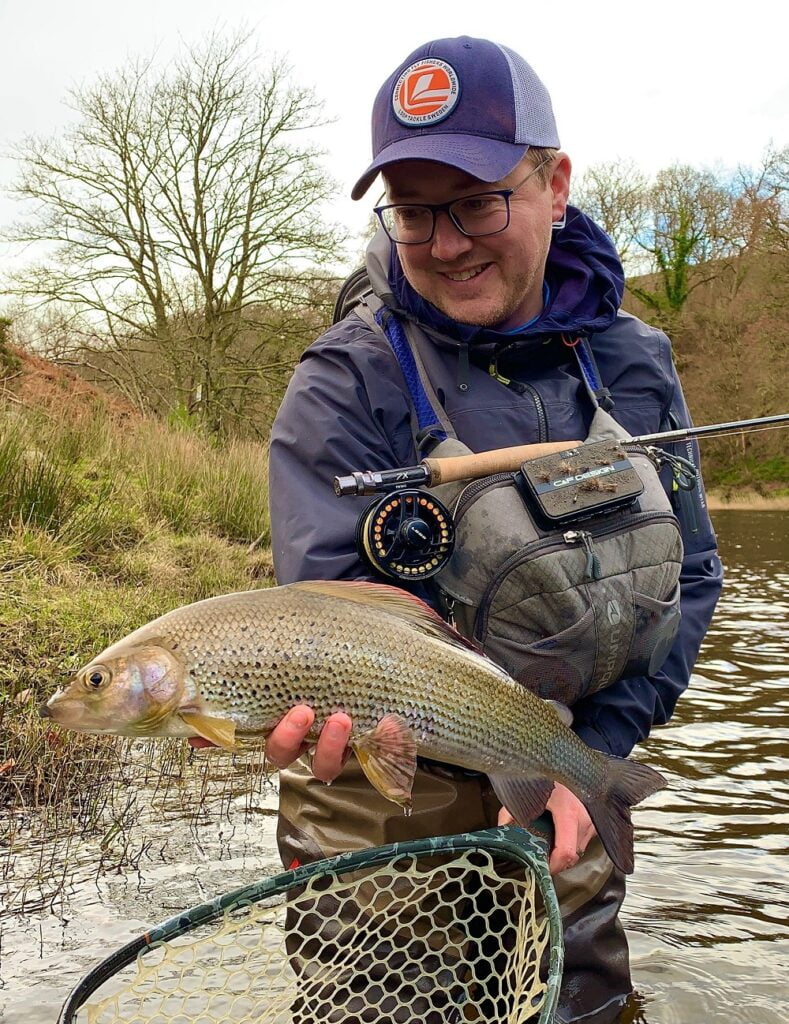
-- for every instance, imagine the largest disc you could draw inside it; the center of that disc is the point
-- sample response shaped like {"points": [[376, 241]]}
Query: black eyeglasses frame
{"points": [[436, 208]]}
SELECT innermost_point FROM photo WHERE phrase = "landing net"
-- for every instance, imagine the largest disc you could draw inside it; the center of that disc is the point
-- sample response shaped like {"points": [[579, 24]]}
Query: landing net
{"points": [[452, 929]]}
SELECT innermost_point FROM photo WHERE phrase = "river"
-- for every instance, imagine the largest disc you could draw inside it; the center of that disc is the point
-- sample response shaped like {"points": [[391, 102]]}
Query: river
{"points": [[708, 907]]}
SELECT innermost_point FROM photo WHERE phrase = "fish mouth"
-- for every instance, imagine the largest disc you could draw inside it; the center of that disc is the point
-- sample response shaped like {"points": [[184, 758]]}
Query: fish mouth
{"points": [[71, 714]]}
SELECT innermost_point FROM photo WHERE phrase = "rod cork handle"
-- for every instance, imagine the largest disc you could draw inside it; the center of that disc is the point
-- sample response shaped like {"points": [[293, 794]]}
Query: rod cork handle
{"points": [[501, 460]]}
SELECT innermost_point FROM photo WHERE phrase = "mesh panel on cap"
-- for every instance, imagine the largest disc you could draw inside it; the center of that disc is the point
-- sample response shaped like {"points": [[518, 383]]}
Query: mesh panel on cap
{"points": [[534, 122]]}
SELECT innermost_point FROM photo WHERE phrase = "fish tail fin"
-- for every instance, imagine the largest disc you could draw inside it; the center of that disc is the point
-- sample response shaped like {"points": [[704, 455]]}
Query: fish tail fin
{"points": [[628, 783]]}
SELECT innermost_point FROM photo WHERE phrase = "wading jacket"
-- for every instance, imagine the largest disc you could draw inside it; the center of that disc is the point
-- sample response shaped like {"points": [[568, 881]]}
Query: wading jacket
{"points": [[347, 408]]}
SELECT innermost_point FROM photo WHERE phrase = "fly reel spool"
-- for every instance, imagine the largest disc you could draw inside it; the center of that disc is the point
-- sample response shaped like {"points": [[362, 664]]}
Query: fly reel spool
{"points": [[406, 535]]}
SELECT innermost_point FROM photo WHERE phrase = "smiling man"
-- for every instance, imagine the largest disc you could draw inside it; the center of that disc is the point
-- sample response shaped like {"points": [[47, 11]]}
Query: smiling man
{"points": [[493, 279], [486, 280]]}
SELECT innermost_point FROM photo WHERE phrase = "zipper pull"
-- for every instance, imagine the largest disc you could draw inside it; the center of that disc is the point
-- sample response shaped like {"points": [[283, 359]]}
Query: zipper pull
{"points": [[493, 370], [593, 569]]}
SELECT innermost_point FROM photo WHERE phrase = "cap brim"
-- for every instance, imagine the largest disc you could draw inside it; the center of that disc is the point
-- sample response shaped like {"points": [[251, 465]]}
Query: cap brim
{"points": [[486, 159]]}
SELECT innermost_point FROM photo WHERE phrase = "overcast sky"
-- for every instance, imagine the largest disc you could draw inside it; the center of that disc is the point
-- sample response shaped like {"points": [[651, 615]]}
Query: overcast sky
{"points": [[701, 82]]}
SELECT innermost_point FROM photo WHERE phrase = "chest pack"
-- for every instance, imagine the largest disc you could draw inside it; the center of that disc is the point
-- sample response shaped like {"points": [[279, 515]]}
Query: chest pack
{"points": [[566, 572]]}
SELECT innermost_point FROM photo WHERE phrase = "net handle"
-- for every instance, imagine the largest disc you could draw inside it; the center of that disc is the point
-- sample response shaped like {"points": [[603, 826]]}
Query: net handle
{"points": [[509, 841]]}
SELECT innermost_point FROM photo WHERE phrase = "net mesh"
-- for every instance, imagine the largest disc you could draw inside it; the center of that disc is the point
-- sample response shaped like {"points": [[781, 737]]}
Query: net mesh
{"points": [[425, 938]]}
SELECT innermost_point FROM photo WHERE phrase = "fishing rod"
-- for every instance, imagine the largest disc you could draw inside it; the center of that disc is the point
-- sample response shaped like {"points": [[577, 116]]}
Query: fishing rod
{"points": [[430, 472], [407, 532]]}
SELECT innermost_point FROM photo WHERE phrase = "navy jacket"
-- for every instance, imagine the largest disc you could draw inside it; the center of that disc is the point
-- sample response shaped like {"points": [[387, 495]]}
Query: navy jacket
{"points": [[347, 408]]}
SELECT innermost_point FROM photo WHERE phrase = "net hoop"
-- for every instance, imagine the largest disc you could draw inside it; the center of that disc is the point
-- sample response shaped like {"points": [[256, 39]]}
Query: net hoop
{"points": [[507, 843]]}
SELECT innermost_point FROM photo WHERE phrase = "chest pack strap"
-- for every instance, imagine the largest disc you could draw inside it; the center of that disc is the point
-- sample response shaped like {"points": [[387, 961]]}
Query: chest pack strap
{"points": [[428, 414], [598, 393]]}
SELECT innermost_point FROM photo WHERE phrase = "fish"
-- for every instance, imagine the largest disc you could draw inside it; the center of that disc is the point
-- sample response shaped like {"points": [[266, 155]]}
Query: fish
{"points": [[228, 668]]}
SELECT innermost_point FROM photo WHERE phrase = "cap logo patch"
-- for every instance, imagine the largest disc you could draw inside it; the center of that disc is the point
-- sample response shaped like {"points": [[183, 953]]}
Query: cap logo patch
{"points": [[425, 93]]}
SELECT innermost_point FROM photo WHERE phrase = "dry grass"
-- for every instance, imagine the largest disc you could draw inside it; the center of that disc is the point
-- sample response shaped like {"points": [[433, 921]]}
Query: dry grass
{"points": [[106, 522], [747, 501]]}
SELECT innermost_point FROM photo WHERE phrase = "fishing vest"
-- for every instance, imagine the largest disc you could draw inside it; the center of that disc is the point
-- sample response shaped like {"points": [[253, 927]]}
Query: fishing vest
{"points": [[565, 609]]}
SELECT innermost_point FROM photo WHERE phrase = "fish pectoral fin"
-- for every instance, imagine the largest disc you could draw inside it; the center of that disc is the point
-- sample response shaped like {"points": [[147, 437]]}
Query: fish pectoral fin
{"points": [[387, 755], [524, 796], [220, 731]]}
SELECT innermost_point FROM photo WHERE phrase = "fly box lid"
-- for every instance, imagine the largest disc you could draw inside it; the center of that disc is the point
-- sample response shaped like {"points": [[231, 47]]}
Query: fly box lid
{"points": [[580, 482]]}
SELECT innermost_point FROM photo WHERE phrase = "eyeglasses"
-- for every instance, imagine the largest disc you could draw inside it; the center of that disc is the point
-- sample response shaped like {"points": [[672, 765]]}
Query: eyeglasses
{"points": [[484, 213]]}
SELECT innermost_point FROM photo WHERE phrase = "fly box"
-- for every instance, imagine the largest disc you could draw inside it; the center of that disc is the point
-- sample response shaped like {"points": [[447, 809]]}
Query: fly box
{"points": [[580, 482]]}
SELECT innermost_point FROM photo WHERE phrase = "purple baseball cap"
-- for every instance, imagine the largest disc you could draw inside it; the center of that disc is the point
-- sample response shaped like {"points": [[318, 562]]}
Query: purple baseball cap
{"points": [[469, 103]]}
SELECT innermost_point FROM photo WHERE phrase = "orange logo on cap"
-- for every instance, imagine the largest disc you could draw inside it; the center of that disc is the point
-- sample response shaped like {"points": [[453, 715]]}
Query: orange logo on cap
{"points": [[425, 92]]}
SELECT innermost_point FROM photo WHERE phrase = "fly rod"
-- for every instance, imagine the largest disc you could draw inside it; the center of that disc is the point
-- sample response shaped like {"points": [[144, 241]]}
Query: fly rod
{"points": [[430, 472]]}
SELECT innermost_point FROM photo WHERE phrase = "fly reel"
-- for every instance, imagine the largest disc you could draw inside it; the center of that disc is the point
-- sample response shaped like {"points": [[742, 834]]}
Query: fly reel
{"points": [[406, 535]]}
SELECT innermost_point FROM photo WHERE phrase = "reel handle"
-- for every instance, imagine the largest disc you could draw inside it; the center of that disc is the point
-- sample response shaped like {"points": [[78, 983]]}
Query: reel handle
{"points": [[502, 460]]}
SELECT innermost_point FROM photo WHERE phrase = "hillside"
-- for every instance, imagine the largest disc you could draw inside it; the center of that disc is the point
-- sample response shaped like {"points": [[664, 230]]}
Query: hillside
{"points": [[731, 345]]}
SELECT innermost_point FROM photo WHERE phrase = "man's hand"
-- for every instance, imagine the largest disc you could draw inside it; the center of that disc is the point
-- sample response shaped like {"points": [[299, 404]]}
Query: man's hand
{"points": [[573, 828], [287, 742]]}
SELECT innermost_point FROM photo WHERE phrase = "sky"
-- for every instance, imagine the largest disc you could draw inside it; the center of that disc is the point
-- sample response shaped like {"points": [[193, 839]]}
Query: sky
{"points": [[705, 83]]}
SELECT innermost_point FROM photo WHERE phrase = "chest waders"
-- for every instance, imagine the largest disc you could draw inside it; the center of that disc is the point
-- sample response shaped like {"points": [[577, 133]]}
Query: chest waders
{"points": [[566, 608]]}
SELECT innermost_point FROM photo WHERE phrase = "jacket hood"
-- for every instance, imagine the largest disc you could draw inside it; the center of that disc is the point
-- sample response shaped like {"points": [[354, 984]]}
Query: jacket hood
{"points": [[583, 273]]}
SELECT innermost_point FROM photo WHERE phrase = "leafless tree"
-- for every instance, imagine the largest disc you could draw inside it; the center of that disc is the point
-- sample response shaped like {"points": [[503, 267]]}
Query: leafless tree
{"points": [[180, 210], [684, 228], [615, 196], [765, 192]]}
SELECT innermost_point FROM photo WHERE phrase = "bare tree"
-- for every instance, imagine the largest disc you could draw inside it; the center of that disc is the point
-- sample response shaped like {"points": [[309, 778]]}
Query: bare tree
{"points": [[765, 194], [181, 204], [683, 229], [615, 195]]}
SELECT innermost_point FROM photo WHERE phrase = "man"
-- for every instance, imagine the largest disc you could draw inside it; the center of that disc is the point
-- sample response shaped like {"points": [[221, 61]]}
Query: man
{"points": [[463, 130]]}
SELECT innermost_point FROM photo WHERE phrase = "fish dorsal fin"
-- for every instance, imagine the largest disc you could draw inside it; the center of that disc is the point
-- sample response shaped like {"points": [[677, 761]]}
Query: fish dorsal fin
{"points": [[393, 600]]}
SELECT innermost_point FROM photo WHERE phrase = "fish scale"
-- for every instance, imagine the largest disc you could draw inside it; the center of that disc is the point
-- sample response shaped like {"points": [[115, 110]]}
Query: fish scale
{"points": [[228, 668]]}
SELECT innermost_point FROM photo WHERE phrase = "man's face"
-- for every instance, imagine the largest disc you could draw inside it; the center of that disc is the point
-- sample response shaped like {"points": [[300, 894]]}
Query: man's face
{"points": [[505, 286]]}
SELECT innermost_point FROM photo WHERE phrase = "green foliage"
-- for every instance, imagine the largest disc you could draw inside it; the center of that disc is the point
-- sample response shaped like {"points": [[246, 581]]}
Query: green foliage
{"points": [[181, 418], [764, 476], [189, 483], [41, 490]]}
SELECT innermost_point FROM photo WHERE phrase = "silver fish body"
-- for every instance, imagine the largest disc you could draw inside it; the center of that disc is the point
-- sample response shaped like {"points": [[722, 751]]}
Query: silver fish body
{"points": [[409, 683]]}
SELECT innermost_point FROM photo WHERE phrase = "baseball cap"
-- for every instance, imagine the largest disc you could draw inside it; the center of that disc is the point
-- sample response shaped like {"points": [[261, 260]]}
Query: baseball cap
{"points": [[469, 103]]}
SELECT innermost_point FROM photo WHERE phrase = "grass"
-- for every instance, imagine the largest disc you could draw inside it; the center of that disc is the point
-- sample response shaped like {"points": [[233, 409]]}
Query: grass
{"points": [[104, 525], [766, 477], [86, 482]]}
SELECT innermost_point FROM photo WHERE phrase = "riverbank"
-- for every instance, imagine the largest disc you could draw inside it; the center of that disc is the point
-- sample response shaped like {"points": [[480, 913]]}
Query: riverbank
{"points": [[746, 501]]}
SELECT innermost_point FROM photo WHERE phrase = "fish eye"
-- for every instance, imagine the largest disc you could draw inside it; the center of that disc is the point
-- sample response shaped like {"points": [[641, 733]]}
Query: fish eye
{"points": [[97, 678]]}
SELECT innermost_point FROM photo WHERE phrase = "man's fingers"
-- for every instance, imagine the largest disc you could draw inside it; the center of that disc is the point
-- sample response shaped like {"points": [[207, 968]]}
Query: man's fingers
{"points": [[565, 853], [562, 858], [505, 818], [286, 742], [331, 751], [573, 829]]}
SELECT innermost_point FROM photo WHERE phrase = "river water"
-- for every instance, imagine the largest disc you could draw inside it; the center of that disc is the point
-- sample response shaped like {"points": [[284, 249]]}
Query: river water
{"points": [[708, 907]]}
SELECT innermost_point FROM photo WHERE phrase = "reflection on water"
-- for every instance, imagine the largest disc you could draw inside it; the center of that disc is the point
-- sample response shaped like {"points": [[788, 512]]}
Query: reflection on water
{"points": [[707, 908]]}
